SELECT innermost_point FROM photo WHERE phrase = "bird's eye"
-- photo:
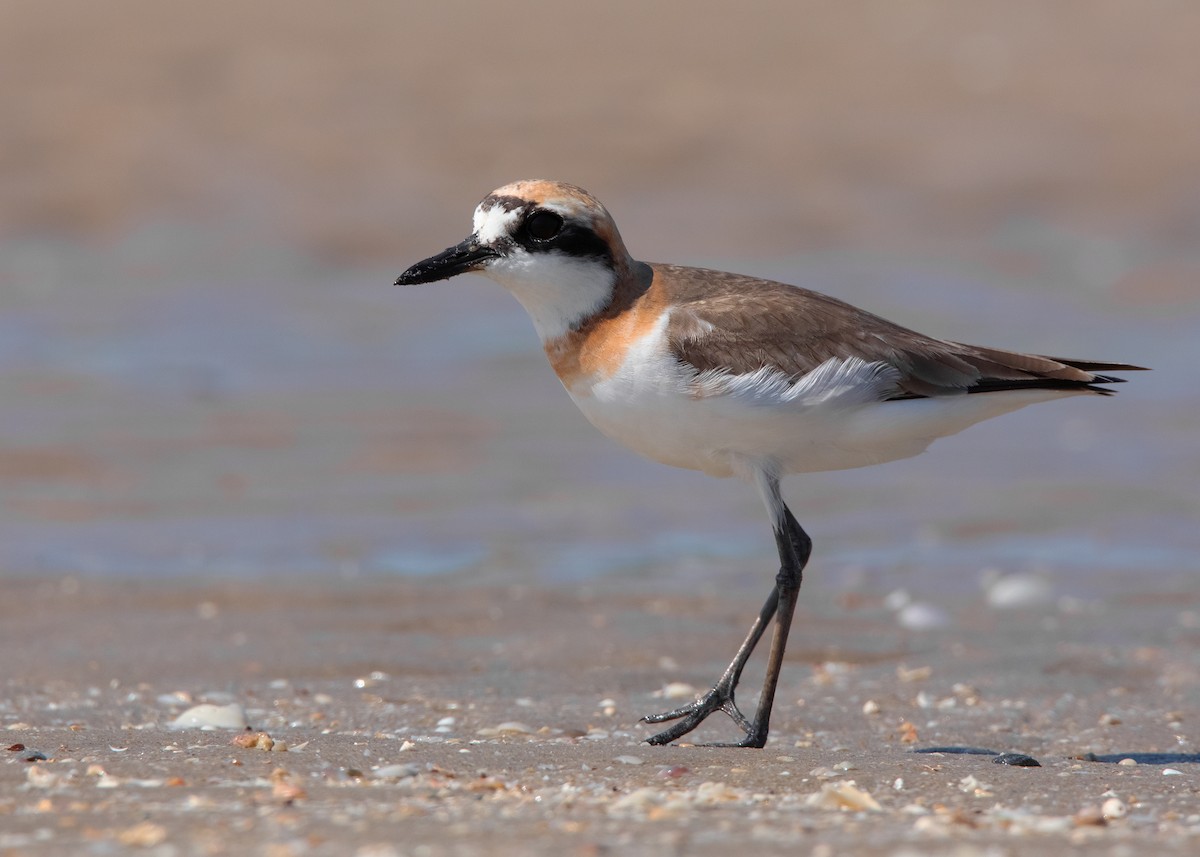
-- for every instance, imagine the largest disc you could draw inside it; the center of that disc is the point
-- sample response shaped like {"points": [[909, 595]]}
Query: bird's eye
{"points": [[543, 225]]}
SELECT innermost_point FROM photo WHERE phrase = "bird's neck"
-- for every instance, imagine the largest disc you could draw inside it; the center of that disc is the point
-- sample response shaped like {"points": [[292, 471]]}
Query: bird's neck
{"points": [[561, 294]]}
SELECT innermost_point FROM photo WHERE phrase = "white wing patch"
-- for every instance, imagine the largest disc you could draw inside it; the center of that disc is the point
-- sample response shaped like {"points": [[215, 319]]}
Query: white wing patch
{"points": [[844, 382]]}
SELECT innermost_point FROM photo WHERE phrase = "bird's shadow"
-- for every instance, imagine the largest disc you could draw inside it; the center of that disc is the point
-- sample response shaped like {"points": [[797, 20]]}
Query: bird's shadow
{"points": [[1107, 758], [1143, 758]]}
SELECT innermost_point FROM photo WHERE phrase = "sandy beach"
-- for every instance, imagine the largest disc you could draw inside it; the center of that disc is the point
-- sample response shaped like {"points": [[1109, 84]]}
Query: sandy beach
{"points": [[433, 719]]}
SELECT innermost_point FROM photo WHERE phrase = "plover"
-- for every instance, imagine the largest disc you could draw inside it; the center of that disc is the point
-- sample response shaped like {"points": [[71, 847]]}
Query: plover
{"points": [[734, 376]]}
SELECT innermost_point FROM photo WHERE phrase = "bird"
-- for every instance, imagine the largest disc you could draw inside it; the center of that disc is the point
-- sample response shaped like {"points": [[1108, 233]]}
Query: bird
{"points": [[733, 375]]}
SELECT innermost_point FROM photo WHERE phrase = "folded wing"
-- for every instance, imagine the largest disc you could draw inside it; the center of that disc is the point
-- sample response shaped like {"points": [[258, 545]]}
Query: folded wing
{"points": [[738, 324]]}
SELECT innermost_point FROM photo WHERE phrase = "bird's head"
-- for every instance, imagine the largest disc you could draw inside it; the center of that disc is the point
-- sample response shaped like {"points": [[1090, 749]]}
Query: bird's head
{"points": [[551, 244]]}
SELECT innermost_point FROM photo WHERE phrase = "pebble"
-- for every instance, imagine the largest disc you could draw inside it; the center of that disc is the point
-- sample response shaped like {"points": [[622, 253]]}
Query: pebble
{"points": [[677, 690], [907, 675], [897, 600], [209, 716], [709, 793], [396, 772], [931, 824], [508, 727], [1112, 808], [1017, 760], [920, 616], [1090, 816], [516, 726], [637, 800], [374, 679], [255, 741], [144, 834], [41, 777], [628, 760], [844, 795], [1018, 591], [973, 786]]}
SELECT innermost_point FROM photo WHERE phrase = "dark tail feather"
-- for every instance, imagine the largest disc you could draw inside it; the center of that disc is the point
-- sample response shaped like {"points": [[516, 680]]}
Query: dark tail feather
{"points": [[1093, 366], [1011, 370], [1087, 376], [996, 385]]}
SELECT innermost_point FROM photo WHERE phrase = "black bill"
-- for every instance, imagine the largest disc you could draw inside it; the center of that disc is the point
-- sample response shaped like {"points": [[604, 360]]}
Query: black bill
{"points": [[451, 262]]}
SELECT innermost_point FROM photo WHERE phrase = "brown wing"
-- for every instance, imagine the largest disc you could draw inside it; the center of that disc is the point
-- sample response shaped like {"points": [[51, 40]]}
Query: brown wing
{"points": [[741, 324]]}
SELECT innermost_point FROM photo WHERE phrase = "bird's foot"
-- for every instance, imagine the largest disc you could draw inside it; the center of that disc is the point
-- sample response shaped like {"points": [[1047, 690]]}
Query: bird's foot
{"points": [[718, 698]]}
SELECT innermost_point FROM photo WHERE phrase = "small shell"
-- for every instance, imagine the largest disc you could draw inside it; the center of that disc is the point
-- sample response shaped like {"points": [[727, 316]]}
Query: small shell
{"points": [[208, 716], [844, 795]]}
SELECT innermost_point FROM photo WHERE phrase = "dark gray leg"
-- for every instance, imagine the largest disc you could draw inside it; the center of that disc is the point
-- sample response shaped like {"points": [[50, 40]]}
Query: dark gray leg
{"points": [[794, 549]]}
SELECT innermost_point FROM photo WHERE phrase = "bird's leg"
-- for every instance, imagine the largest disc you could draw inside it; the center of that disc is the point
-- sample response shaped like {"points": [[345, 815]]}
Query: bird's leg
{"points": [[787, 584], [794, 548], [720, 696]]}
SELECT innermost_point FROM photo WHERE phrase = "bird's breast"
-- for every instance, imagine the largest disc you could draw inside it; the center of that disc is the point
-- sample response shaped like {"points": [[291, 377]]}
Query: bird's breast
{"points": [[609, 342]]}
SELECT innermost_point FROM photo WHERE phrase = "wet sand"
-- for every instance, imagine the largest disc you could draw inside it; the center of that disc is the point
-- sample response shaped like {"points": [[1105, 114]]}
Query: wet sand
{"points": [[447, 719], [237, 468]]}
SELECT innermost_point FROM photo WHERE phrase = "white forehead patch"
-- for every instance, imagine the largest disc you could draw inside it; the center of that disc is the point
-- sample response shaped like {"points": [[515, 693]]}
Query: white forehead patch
{"points": [[494, 222]]}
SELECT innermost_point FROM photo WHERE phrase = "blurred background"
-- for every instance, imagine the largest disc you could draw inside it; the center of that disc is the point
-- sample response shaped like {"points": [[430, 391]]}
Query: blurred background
{"points": [[205, 370]]}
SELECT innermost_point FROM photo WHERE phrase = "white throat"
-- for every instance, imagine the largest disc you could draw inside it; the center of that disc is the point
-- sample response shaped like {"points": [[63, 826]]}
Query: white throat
{"points": [[557, 290]]}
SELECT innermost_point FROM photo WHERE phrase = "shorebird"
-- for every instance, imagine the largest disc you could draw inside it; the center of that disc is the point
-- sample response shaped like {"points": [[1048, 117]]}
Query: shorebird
{"points": [[734, 376]]}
